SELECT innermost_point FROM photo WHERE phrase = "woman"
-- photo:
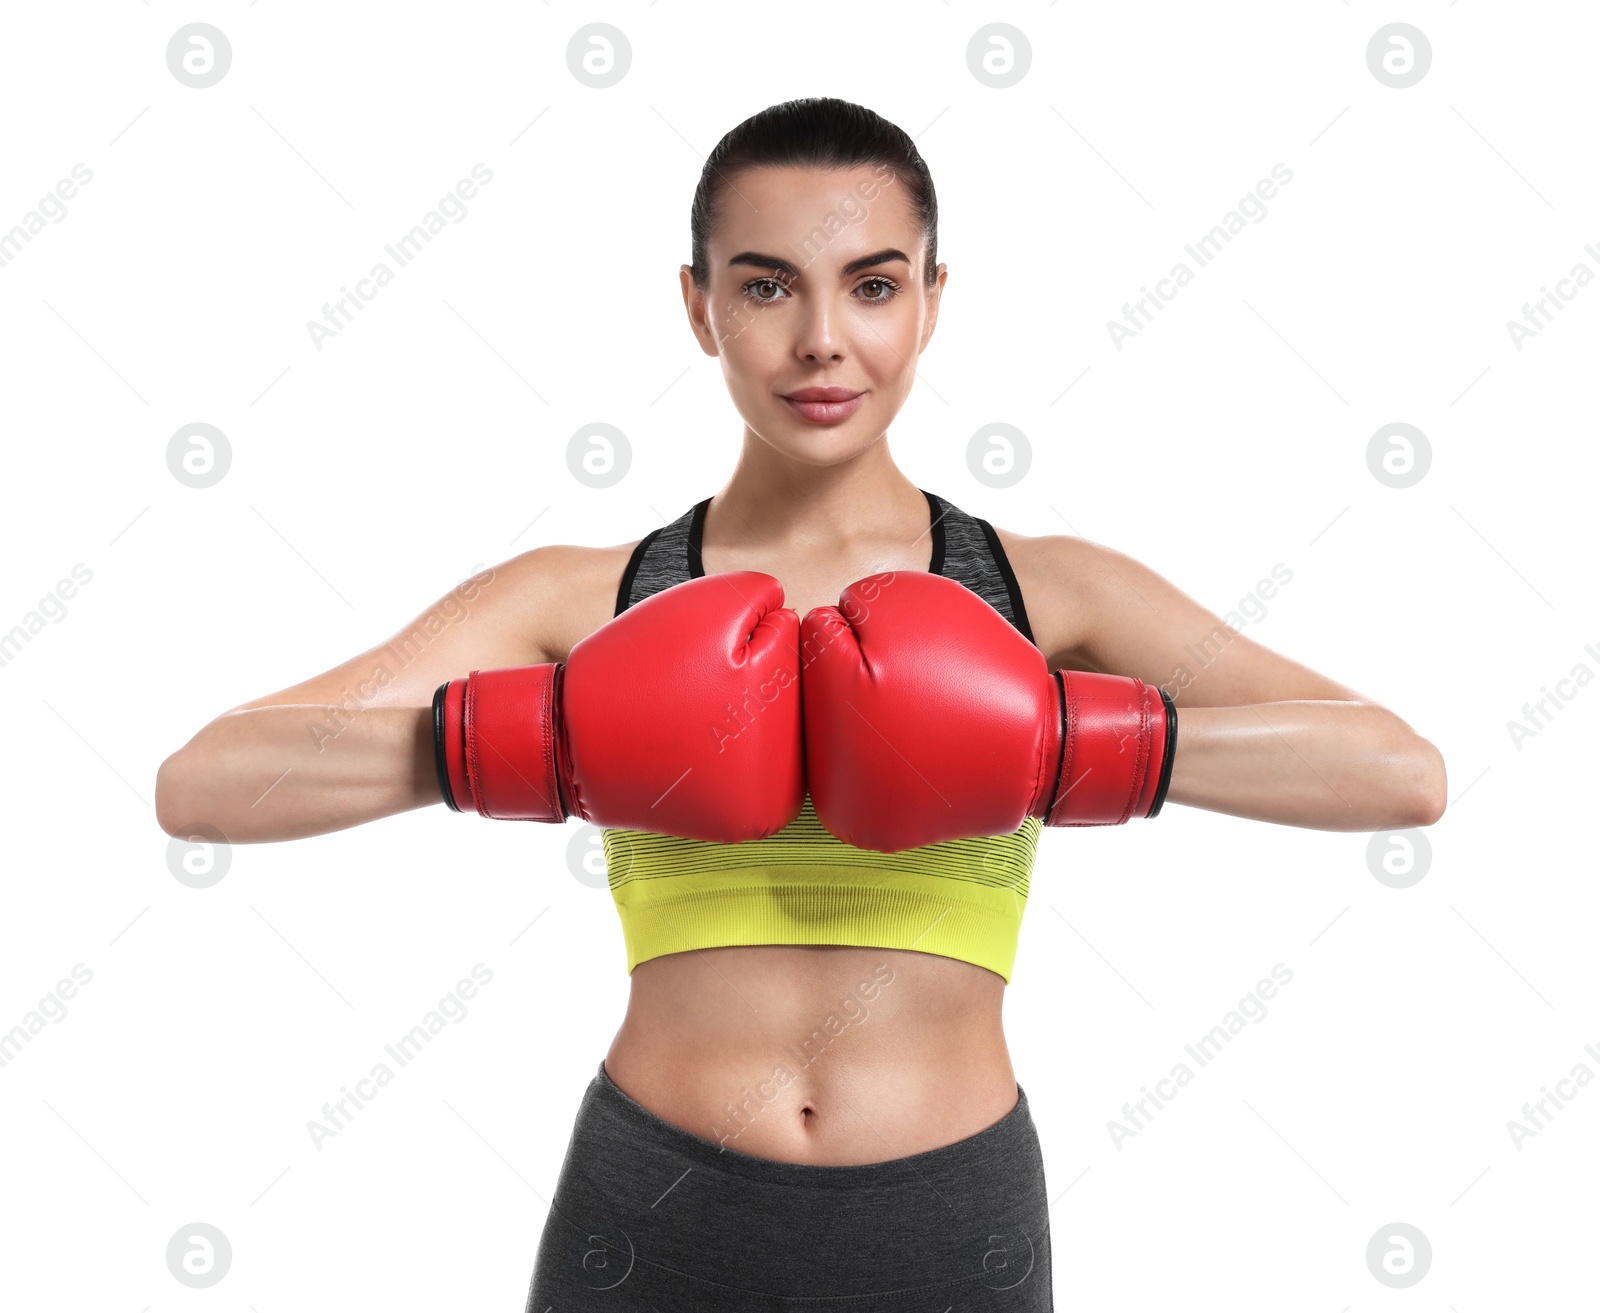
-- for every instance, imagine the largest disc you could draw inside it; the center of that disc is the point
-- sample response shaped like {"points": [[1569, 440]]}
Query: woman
{"points": [[807, 1106]]}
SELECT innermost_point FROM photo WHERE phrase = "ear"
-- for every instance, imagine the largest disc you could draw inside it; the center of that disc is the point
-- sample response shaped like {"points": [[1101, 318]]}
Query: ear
{"points": [[934, 295], [695, 306]]}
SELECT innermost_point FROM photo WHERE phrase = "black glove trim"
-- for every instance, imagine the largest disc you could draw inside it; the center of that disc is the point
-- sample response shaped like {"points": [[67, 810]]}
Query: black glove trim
{"points": [[438, 747], [1166, 762], [1061, 757]]}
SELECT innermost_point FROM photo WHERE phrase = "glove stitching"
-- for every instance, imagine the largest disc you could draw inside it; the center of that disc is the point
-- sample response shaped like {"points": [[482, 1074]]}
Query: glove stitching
{"points": [[1058, 687], [1069, 745], [1141, 767], [550, 718], [469, 704]]}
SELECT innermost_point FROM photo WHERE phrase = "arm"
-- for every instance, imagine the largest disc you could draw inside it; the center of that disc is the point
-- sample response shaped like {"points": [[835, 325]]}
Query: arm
{"points": [[1259, 735], [356, 742]]}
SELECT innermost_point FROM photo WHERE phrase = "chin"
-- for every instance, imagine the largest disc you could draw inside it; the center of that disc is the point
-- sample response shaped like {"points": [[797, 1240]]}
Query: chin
{"points": [[813, 445], [817, 443]]}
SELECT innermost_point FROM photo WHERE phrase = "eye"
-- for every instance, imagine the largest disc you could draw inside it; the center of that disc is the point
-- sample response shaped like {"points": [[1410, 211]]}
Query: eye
{"points": [[891, 290], [751, 295]]}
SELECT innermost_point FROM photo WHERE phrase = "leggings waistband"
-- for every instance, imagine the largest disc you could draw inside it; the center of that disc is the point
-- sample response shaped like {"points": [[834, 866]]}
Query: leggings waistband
{"points": [[1012, 1134], [661, 1213]]}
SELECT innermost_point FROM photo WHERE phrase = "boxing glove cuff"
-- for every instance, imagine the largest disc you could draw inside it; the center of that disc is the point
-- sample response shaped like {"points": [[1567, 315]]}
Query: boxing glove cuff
{"points": [[1114, 748], [498, 745]]}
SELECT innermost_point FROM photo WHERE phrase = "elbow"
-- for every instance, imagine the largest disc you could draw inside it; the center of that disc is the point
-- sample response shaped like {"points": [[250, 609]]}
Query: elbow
{"points": [[1424, 785], [175, 797]]}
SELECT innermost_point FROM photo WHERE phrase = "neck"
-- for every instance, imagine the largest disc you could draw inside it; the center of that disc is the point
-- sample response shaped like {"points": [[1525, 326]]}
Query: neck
{"points": [[772, 500]]}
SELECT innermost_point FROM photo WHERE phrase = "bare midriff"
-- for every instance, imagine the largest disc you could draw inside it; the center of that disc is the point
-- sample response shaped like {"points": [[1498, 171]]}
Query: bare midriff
{"points": [[823, 1055]]}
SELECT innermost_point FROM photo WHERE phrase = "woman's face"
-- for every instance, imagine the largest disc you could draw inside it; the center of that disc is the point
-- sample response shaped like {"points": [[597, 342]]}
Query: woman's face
{"points": [[816, 283]]}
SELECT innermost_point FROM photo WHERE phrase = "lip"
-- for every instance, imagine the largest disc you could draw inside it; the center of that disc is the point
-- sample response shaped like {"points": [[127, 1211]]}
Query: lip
{"points": [[824, 405], [823, 394]]}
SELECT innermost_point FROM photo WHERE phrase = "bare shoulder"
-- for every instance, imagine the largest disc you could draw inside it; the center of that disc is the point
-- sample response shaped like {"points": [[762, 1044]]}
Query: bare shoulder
{"points": [[1066, 582], [529, 609], [1095, 608], [567, 591]]}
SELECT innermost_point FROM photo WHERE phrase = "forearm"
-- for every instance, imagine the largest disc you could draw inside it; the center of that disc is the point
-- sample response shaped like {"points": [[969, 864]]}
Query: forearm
{"points": [[1323, 765], [286, 772]]}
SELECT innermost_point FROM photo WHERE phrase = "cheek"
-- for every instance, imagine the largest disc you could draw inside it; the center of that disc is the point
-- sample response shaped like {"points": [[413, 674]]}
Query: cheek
{"points": [[754, 354], [886, 344], [739, 326]]}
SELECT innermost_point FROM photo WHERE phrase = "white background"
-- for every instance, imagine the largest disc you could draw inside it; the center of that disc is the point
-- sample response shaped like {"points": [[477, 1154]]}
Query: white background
{"points": [[370, 477]]}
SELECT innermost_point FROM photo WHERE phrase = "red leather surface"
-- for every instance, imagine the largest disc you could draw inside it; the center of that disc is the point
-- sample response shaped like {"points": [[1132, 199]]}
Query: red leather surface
{"points": [[927, 714], [509, 718], [453, 731], [1116, 730], [682, 715]]}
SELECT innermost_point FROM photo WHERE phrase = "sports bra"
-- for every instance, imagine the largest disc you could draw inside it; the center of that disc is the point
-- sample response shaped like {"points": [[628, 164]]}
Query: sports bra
{"points": [[962, 898]]}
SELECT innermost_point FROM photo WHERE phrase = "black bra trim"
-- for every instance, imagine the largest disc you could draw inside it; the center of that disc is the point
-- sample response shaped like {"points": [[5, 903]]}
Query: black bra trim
{"points": [[935, 531], [697, 530], [625, 590], [1008, 575], [937, 509]]}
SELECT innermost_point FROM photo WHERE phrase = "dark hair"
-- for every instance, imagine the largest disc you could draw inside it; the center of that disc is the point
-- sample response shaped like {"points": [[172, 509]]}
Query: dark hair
{"points": [[819, 132]]}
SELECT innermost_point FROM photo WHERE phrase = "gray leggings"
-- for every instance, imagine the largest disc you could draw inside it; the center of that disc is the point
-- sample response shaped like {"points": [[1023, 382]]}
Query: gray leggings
{"points": [[649, 1217]]}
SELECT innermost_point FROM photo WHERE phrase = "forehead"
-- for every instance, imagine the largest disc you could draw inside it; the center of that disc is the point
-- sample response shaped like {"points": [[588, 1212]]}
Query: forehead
{"points": [[853, 210]]}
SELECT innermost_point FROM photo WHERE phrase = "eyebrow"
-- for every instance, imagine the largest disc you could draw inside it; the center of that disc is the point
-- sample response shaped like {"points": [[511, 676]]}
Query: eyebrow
{"points": [[759, 261]]}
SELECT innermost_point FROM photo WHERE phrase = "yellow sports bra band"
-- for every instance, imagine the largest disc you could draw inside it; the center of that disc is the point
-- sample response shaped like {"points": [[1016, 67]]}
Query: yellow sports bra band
{"points": [[963, 898]]}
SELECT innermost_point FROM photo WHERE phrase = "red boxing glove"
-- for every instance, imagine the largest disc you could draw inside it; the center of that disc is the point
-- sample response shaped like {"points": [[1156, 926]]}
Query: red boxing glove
{"points": [[928, 716], [681, 715]]}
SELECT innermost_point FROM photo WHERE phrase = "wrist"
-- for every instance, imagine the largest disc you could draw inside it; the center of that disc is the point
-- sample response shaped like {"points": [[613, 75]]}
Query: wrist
{"points": [[1169, 746], [496, 735], [1114, 737], [447, 731]]}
